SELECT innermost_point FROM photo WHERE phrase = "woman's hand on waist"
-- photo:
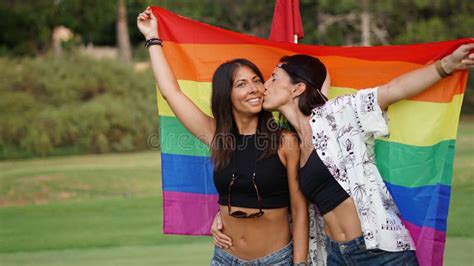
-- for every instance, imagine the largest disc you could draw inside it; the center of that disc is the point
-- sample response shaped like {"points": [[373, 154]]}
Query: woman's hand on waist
{"points": [[220, 239]]}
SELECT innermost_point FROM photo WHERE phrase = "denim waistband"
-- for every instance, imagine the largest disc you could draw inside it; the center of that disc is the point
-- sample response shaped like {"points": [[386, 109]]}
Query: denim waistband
{"points": [[349, 246], [229, 257]]}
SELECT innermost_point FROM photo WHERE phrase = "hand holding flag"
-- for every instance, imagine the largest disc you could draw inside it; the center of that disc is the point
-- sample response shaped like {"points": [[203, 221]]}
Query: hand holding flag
{"points": [[148, 24]]}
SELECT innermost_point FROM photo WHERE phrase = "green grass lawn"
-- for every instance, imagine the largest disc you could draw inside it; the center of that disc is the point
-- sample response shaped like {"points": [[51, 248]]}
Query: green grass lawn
{"points": [[106, 210], [122, 231], [89, 210], [461, 218]]}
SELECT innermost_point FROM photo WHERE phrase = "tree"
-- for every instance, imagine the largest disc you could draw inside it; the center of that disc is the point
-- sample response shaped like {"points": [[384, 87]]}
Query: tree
{"points": [[365, 23], [123, 40]]}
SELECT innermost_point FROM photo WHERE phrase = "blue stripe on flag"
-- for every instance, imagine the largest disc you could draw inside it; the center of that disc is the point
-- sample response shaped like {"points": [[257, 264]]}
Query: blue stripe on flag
{"points": [[183, 173], [423, 206]]}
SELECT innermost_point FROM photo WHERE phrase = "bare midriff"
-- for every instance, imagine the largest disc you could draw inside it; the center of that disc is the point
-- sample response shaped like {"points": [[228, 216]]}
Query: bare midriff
{"points": [[253, 238], [342, 224]]}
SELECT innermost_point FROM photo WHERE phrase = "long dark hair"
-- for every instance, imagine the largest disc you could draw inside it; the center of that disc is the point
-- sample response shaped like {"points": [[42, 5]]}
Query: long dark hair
{"points": [[223, 142], [311, 72]]}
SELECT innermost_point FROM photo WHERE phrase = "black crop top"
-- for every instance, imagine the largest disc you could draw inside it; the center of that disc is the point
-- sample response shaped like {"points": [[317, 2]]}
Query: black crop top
{"points": [[319, 186], [270, 177]]}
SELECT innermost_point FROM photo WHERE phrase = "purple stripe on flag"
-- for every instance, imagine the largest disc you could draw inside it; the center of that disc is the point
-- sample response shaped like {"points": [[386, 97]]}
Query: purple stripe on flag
{"points": [[188, 213], [429, 244]]}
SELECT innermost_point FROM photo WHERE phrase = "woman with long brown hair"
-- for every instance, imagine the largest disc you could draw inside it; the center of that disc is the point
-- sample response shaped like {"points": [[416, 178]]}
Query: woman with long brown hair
{"points": [[255, 161]]}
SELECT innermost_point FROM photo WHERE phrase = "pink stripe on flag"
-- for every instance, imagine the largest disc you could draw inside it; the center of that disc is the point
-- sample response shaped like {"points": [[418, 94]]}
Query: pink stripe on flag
{"points": [[188, 213], [429, 244]]}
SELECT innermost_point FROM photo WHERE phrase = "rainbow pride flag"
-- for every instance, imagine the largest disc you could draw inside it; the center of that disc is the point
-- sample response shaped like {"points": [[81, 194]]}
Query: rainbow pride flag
{"points": [[416, 161]]}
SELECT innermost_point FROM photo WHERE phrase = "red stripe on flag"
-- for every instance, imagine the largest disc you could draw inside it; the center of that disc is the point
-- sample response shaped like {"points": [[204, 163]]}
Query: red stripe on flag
{"points": [[183, 30]]}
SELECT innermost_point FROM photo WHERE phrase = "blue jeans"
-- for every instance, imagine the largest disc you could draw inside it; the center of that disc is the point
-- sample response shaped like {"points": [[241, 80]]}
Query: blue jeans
{"points": [[283, 256], [354, 252]]}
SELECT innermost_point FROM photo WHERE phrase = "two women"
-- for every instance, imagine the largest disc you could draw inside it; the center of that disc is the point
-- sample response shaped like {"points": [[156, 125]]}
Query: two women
{"points": [[255, 162]]}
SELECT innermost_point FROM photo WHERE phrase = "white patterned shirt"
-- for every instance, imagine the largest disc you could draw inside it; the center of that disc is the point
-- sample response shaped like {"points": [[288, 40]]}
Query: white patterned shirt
{"points": [[344, 130]]}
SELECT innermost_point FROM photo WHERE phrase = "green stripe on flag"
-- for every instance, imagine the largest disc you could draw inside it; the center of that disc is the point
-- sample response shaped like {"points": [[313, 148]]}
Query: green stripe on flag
{"points": [[399, 164], [415, 166], [176, 139]]}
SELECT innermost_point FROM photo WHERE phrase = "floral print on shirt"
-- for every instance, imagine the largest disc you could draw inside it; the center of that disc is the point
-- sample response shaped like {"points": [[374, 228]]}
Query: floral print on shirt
{"points": [[344, 131]]}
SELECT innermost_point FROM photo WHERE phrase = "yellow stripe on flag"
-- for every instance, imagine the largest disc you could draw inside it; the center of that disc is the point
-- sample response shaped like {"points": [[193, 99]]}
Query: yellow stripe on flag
{"points": [[198, 92], [418, 123], [423, 123], [411, 122]]}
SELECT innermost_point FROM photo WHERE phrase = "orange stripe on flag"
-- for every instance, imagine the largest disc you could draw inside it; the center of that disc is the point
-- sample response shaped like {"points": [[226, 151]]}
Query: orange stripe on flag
{"points": [[198, 62]]}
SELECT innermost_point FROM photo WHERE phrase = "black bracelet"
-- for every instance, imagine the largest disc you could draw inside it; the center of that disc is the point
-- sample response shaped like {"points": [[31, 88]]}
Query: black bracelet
{"points": [[153, 41]]}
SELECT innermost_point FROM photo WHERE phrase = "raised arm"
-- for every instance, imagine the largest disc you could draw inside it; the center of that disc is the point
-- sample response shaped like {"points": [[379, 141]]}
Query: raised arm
{"points": [[195, 120], [299, 205], [416, 81]]}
